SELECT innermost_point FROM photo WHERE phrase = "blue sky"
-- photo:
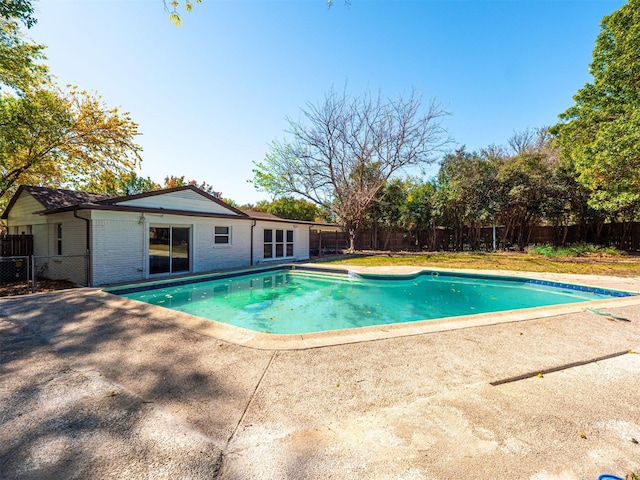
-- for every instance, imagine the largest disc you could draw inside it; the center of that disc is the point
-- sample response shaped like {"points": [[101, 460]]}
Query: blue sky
{"points": [[210, 95]]}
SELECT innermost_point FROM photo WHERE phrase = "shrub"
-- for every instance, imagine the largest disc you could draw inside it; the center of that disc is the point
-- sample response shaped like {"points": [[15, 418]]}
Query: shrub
{"points": [[578, 250]]}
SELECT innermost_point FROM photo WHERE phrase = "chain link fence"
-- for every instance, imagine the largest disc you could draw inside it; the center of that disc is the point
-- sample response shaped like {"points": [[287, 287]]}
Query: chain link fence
{"points": [[24, 274], [15, 274], [61, 268]]}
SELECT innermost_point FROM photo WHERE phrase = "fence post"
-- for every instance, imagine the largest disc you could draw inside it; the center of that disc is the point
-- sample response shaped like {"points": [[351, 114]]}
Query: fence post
{"points": [[494, 238], [33, 273]]}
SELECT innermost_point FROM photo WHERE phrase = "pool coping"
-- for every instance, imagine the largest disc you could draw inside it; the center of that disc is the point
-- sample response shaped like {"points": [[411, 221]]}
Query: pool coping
{"points": [[270, 341]]}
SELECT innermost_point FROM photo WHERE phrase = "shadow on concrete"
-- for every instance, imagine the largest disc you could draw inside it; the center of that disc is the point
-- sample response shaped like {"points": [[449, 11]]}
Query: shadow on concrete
{"points": [[87, 388]]}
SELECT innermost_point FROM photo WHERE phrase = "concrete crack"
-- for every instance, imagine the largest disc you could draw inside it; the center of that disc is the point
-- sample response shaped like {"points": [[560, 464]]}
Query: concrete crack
{"points": [[223, 455]]}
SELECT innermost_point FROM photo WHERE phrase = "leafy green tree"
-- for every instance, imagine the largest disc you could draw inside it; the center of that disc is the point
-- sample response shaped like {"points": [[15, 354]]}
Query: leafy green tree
{"points": [[388, 210], [527, 192], [233, 203], [568, 204], [171, 181], [21, 69], [51, 137], [418, 213], [18, 10], [290, 208], [404, 205], [600, 134], [348, 149], [128, 183], [466, 200]]}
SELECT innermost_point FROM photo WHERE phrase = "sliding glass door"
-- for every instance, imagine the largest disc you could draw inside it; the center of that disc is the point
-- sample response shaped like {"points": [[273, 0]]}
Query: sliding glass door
{"points": [[179, 249], [168, 249]]}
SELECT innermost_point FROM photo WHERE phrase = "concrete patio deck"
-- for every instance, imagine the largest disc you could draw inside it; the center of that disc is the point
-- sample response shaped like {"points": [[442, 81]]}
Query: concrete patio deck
{"points": [[97, 386]]}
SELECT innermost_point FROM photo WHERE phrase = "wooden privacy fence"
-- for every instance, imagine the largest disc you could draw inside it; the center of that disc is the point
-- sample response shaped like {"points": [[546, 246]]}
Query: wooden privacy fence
{"points": [[623, 236], [16, 245], [327, 243]]}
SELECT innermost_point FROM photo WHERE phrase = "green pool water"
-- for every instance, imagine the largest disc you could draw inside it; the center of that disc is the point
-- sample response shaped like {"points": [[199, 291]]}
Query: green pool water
{"points": [[291, 301]]}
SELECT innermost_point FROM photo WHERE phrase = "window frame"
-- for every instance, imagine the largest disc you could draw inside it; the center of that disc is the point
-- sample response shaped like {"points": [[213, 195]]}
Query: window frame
{"points": [[217, 236], [267, 243], [288, 244], [278, 243], [58, 239], [173, 265]]}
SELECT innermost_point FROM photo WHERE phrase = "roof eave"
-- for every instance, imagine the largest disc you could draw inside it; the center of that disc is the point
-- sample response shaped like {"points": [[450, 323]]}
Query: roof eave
{"points": [[134, 209], [188, 213]]}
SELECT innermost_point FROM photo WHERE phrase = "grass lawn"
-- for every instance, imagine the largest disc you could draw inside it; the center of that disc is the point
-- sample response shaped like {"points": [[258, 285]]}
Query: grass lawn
{"points": [[621, 266]]}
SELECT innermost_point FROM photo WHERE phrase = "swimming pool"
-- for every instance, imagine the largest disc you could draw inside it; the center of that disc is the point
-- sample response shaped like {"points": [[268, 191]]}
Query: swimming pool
{"points": [[302, 300]]}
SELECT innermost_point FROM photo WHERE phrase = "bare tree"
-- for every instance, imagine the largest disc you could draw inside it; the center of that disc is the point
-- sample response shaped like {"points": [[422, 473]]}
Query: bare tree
{"points": [[347, 150], [523, 141], [530, 140], [494, 152], [534, 140]]}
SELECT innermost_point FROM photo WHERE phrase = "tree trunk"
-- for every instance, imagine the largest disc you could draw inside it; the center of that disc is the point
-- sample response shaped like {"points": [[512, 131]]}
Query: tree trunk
{"points": [[352, 229], [375, 232], [387, 239], [626, 227], [599, 226]]}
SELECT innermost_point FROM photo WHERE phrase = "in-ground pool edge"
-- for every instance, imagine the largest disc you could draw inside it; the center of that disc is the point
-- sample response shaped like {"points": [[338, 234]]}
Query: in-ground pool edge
{"points": [[270, 341], [172, 282]]}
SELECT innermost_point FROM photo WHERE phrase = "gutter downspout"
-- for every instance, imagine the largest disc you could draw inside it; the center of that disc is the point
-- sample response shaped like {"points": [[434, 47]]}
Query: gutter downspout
{"points": [[88, 245], [251, 253], [145, 245]]}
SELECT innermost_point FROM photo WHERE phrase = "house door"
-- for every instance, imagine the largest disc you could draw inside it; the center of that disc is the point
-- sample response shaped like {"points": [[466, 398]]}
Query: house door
{"points": [[168, 249]]}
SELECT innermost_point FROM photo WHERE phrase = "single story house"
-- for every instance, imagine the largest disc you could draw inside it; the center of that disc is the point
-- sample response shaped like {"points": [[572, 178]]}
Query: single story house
{"points": [[149, 235]]}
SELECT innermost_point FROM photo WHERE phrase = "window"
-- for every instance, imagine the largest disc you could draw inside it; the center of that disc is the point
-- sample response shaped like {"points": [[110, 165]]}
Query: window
{"points": [[222, 236], [278, 243], [59, 238], [268, 244], [289, 243]]}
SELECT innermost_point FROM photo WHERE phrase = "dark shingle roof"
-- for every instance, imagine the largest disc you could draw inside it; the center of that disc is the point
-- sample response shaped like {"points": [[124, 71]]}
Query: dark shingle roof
{"points": [[54, 198], [55, 201]]}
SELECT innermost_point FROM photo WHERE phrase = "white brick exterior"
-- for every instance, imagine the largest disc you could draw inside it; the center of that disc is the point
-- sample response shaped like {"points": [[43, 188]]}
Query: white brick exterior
{"points": [[118, 248], [208, 256], [119, 240], [300, 241]]}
